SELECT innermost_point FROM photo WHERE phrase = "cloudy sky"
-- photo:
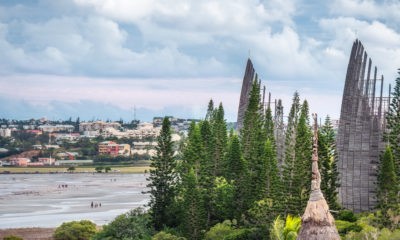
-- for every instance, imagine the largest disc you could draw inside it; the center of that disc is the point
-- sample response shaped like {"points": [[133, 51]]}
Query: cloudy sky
{"points": [[97, 59]]}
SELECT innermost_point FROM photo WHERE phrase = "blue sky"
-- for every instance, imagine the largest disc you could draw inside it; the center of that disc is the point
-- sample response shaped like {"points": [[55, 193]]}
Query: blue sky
{"points": [[97, 59]]}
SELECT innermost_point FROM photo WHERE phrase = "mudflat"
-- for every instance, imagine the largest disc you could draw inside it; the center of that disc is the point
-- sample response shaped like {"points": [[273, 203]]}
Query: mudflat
{"points": [[48, 200]]}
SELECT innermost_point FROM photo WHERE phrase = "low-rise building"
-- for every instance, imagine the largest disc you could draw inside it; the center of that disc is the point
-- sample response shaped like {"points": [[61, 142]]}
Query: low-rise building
{"points": [[20, 162], [109, 148], [5, 132], [47, 161], [56, 128], [98, 125]]}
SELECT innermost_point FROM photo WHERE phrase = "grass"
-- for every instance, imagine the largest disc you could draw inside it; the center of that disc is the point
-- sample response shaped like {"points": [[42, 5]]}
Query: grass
{"points": [[83, 169]]}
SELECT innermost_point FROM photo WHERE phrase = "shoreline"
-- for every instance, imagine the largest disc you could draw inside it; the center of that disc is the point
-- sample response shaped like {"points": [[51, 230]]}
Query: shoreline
{"points": [[79, 170]]}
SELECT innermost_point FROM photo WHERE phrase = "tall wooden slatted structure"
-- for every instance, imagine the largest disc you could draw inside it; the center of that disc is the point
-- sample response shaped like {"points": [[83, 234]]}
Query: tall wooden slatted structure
{"points": [[359, 139]]}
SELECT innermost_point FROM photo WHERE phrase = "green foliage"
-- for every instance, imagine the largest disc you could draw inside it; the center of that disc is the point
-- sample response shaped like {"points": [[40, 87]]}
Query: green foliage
{"points": [[194, 220], [346, 215], [223, 194], [227, 231], [328, 164], [166, 236], [297, 165], [392, 135], [344, 227], [163, 178], [133, 225], [12, 237], [71, 169], [99, 169], [75, 230], [285, 230], [253, 146], [107, 169], [387, 182], [386, 234]]}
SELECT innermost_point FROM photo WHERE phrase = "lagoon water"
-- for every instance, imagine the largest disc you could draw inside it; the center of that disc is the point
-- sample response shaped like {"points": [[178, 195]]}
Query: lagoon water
{"points": [[39, 200]]}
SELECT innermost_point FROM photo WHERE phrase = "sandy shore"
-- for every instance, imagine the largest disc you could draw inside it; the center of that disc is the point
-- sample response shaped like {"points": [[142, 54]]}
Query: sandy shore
{"points": [[29, 233], [40, 201]]}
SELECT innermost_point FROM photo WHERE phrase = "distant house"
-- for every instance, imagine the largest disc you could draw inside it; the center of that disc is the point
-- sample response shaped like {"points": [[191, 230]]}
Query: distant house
{"points": [[47, 161], [56, 128], [109, 148], [20, 162]]}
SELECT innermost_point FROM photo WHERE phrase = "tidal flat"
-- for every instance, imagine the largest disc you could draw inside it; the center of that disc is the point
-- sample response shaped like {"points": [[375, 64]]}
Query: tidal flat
{"points": [[48, 200]]}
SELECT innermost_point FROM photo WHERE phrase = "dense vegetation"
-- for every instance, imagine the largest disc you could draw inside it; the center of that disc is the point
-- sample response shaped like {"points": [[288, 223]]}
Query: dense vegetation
{"points": [[231, 186]]}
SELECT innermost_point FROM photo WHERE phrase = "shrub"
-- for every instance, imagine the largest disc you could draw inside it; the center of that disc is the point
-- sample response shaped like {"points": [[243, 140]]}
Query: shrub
{"points": [[166, 236], [12, 237], [134, 224], [344, 227], [346, 215], [75, 230]]}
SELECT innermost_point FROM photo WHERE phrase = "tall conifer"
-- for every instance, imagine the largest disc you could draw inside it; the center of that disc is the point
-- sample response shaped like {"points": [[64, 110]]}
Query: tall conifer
{"points": [[393, 124], [253, 140], [162, 178], [290, 155], [328, 164], [388, 185]]}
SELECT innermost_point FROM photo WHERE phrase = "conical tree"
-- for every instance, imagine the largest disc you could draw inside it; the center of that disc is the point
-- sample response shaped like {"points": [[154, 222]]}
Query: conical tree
{"points": [[388, 185], [237, 172], [303, 153], [393, 124], [219, 132], [193, 223], [328, 164], [317, 222], [253, 140], [162, 178]]}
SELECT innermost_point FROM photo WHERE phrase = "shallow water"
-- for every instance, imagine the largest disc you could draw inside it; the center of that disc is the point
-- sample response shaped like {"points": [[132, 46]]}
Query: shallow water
{"points": [[39, 200]]}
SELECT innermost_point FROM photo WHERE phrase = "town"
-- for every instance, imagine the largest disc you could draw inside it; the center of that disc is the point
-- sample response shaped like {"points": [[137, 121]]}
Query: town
{"points": [[42, 142]]}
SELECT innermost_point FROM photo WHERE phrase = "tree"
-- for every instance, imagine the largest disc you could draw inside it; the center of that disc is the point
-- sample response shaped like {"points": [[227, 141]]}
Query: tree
{"points": [[163, 177], [219, 134], [237, 172], [328, 164], [253, 140], [107, 169], [99, 169], [133, 225], [71, 169], [193, 212], [392, 134], [388, 188], [303, 153], [75, 230]]}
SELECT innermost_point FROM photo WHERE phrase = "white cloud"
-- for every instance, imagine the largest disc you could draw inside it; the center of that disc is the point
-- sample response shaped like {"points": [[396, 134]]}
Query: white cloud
{"points": [[381, 42], [368, 9]]}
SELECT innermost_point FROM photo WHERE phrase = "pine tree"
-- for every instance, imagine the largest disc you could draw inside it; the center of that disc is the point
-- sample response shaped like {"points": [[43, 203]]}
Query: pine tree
{"points": [[303, 151], [220, 140], [273, 179], [253, 140], [193, 215], [328, 164], [193, 152], [290, 156], [210, 110], [393, 124], [206, 176], [388, 187], [273, 183], [162, 178], [237, 172]]}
